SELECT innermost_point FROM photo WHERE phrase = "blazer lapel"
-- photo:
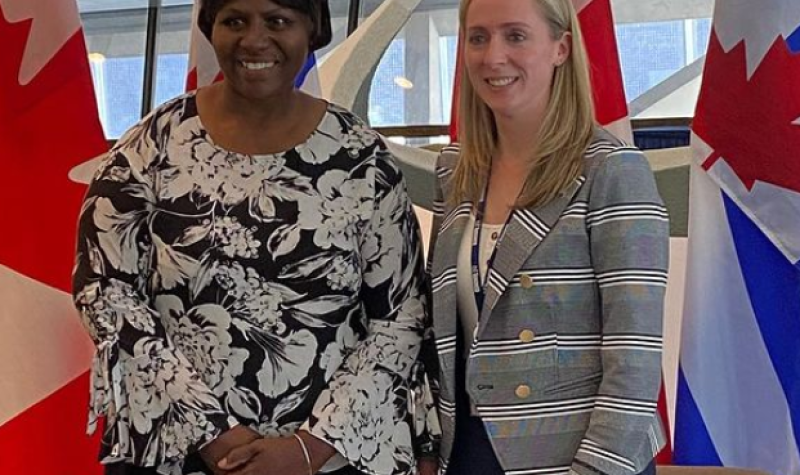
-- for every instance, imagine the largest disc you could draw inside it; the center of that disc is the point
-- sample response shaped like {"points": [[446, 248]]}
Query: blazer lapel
{"points": [[526, 229]]}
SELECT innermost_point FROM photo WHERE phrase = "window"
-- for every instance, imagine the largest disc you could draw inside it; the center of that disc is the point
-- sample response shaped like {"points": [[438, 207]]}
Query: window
{"points": [[116, 37], [115, 41], [661, 49], [413, 82], [173, 52]]}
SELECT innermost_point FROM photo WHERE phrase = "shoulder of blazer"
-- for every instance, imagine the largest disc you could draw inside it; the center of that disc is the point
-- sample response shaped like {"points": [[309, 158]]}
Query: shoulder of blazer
{"points": [[445, 166], [603, 144], [447, 160]]}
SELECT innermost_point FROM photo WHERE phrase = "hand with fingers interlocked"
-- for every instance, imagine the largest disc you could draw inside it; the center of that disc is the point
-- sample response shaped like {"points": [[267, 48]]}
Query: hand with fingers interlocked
{"points": [[300, 454]]}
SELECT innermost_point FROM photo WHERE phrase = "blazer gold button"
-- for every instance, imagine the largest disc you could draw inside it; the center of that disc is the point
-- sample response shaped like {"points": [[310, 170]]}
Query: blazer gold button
{"points": [[523, 391], [526, 281], [526, 336]]}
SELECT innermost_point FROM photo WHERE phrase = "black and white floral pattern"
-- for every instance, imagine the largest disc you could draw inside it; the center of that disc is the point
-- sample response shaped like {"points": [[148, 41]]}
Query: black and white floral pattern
{"points": [[276, 291]]}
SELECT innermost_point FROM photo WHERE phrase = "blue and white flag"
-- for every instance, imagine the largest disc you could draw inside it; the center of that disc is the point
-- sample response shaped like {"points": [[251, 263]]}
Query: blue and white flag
{"points": [[738, 401], [308, 79]]}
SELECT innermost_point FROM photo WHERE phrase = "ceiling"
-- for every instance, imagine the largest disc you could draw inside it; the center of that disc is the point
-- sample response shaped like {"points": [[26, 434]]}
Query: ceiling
{"points": [[625, 11], [339, 7]]}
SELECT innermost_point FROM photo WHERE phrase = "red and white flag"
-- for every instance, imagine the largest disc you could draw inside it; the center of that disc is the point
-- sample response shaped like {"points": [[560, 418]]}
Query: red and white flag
{"points": [[738, 403], [597, 26], [48, 125], [203, 66]]}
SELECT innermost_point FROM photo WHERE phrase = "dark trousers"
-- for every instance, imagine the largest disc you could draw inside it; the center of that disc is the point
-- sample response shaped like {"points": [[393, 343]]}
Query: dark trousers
{"points": [[650, 469], [472, 452]]}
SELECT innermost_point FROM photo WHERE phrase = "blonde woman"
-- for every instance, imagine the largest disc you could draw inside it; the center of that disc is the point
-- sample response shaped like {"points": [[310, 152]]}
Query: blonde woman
{"points": [[550, 262]]}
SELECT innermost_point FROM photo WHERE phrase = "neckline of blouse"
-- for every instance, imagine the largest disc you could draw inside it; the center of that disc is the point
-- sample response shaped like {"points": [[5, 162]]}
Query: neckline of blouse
{"points": [[305, 144]]}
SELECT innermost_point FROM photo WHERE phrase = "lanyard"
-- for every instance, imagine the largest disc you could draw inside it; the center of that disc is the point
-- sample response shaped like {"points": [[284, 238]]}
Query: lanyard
{"points": [[478, 284]]}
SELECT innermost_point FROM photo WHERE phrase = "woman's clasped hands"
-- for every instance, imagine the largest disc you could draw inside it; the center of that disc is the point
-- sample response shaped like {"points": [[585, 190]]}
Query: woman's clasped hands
{"points": [[301, 454]]}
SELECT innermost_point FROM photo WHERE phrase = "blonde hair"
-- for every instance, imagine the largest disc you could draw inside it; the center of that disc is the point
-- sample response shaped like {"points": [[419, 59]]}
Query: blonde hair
{"points": [[566, 129]]}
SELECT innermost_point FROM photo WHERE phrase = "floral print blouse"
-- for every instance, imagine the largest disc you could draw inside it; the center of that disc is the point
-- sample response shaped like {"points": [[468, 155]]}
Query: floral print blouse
{"points": [[275, 291]]}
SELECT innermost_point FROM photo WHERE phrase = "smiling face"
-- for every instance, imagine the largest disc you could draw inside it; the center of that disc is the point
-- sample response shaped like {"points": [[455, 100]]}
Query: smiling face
{"points": [[510, 55], [261, 47]]}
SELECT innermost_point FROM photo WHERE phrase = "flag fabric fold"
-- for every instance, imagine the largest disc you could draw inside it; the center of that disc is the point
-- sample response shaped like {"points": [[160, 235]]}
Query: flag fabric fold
{"points": [[611, 107], [49, 125], [738, 402]]}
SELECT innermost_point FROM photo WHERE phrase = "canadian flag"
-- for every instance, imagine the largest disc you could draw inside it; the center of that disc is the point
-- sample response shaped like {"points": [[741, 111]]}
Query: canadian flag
{"points": [[48, 125], [737, 402], [597, 26]]}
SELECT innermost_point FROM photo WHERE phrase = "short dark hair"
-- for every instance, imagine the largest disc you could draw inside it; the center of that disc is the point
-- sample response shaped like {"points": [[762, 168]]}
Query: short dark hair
{"points": [[317, 10]]}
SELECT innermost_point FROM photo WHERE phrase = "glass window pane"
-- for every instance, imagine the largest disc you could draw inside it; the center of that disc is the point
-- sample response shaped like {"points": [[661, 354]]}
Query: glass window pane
{"points": [[650, 53], [661, 48], [702, 32], [422, 141], [116, 42], [91, 6], [173, 52], [172, 3], [662, 66], [412, 83], [387, 95]]}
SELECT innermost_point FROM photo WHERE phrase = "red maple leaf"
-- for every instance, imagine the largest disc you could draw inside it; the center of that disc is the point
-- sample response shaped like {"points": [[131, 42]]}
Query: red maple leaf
{"points": [[47, 127], [749, 122]]}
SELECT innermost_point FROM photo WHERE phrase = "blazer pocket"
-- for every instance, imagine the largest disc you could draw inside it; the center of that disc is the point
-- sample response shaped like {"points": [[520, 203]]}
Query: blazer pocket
{"points": [[511, 378], [575, 387]]}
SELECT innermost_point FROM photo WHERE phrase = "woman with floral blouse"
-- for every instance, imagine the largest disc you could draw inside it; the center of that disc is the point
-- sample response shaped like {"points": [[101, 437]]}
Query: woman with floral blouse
{"points": [[250, 269]]}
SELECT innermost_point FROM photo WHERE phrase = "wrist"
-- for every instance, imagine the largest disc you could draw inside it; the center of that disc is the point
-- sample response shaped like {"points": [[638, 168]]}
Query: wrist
{"points": [[306, 454], [319, 451]]}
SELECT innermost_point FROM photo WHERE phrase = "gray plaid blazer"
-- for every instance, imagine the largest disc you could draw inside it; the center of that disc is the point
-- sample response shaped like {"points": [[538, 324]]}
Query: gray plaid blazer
{"points": [[565, 366]]}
